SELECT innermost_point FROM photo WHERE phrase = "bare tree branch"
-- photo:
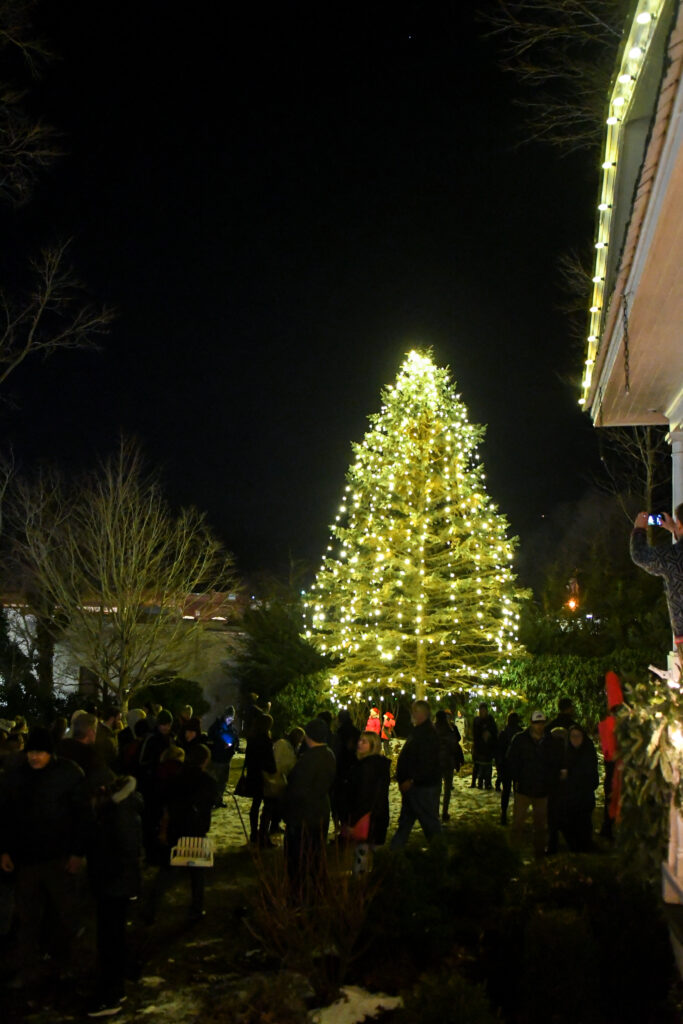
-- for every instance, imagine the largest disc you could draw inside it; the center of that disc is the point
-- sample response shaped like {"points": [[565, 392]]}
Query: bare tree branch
{"points": [[52, 317], [27, 144], [566, 48], [636, 467]]}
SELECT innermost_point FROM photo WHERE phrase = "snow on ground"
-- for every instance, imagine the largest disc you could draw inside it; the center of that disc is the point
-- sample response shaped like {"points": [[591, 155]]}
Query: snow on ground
{"points": [[466, 805]]}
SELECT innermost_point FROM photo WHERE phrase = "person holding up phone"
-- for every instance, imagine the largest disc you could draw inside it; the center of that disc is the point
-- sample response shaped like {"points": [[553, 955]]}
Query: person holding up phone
{"points": [[664, 561]]}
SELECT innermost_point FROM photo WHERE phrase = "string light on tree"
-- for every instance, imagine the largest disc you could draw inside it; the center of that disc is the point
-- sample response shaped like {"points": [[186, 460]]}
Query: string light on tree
{"points": [[416, 590]]}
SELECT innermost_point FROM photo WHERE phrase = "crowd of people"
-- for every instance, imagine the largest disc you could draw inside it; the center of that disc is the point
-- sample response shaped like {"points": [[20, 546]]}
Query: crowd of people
{"points": [[91, 798], [84, 802], [81, 802]]}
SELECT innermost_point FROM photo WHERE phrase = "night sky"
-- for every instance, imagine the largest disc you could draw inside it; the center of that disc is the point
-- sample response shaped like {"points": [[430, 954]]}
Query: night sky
{"points": [[281, 203]]}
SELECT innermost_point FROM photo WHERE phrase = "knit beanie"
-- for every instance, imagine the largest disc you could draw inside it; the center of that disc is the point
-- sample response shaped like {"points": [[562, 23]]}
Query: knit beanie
{"points": [[40, 738]]}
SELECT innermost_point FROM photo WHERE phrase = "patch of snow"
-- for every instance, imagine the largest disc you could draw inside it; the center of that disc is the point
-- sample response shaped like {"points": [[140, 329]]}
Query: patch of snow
{"points": [[355, 1005]]}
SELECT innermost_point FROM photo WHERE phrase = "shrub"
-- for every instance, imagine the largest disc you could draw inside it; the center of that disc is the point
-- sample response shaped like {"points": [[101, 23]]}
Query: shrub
{"points": [[572, 920], [480, 867], [560, 962], [265, 999], [319, 936], [446, 996]]}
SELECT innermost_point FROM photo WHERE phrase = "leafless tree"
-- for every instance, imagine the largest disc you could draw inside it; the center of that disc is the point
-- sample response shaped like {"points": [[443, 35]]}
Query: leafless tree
{"points": [[562, 52], [117, 568], [27, 143], [54, 314], [51, 317], [636, 467]]}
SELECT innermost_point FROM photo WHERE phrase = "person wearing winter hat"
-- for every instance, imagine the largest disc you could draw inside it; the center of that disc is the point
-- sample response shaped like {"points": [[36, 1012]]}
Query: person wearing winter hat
{"points": [[191, 734], [42, 846], [534, 764], [374, 722], [306, 808]]}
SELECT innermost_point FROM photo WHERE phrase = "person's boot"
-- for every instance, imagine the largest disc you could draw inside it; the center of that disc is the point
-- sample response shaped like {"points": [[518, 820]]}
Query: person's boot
{"points": [[503, 819]]}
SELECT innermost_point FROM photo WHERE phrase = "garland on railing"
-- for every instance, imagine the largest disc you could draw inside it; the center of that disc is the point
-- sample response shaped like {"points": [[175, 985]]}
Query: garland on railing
{"points": [[650, 742]]}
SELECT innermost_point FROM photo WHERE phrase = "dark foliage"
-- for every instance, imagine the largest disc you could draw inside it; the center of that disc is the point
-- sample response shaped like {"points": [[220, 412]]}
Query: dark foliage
{"points": [[174, 695], [446, 996], [566, 927]]}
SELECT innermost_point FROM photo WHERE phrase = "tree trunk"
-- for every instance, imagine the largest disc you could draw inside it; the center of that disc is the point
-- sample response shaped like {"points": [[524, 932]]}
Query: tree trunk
{"points": [[45, 650], [420, 669]]}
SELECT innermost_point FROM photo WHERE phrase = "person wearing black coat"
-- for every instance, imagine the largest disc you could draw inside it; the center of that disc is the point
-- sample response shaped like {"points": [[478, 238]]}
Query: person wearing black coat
{"points": [[44, 818], [344, 747], [258, 758], [534, 767], [578, 797], [418, 773], [513, 727], [189, 800], [367, 800], [114, 851], [306, 807], [190, 735], [450, 752], [484, 741]]}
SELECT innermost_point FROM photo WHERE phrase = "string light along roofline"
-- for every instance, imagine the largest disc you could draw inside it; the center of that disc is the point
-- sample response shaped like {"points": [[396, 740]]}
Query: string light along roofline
{"points": [[634, 55]]}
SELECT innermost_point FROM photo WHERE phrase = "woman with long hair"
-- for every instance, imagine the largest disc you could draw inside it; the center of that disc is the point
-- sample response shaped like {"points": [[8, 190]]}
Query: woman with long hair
{"points": [[368, 801]]}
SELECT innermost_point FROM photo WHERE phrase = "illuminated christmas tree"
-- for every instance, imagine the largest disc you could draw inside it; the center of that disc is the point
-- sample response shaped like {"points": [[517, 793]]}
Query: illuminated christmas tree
{"points": [[416, 594]]}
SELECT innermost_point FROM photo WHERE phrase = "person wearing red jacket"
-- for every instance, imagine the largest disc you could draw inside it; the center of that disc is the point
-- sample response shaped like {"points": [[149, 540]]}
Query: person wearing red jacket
{"points": [[387, 734], [608, 742], [374, 722]]}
